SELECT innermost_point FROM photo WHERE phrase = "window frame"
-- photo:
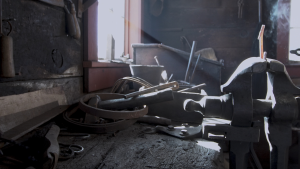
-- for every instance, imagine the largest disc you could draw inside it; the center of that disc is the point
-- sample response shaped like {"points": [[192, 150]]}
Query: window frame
{"points": [[283, 41]]}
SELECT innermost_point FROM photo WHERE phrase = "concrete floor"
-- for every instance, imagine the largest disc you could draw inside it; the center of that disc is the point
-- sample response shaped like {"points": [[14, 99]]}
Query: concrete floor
{"points": [[131, 148]]}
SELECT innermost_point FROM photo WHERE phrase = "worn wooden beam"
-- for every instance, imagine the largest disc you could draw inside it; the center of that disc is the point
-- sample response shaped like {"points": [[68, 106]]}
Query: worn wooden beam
{"points": [[103, 64], [31, 124]]}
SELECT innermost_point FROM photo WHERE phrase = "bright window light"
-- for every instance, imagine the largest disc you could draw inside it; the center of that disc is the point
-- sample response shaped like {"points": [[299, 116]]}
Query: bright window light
{"points": [[111, 22], [294, 29]]}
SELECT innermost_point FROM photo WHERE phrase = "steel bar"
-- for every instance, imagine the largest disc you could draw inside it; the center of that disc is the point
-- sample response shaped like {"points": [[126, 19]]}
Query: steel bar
{"points": [[198, 87], [190, 61], [174, 85]]}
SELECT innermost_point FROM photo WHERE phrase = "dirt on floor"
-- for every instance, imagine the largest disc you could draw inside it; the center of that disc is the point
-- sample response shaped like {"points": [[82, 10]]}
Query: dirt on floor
{"points": [[131, 148]]}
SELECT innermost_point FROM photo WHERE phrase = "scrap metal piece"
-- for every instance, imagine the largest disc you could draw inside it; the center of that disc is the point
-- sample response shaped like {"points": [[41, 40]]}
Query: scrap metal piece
{"points": [[183, 132]]}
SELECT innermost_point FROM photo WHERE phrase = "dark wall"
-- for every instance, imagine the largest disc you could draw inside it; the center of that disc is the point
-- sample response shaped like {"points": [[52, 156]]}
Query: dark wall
{"points": [[212, 23], [44, 56]]}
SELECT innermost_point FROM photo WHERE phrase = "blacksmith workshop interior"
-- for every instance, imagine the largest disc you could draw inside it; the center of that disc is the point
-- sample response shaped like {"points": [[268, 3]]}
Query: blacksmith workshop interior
{"points": [[149, 84]]}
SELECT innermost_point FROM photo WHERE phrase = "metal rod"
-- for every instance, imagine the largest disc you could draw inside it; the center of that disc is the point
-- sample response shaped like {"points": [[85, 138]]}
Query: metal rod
{"points": [[192, 76], [198, 87], [190, 60], [174, 85]]}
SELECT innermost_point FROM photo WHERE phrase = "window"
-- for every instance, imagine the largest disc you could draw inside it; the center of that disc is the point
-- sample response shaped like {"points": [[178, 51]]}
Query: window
{"points": [[111, 24], [294, 42]]}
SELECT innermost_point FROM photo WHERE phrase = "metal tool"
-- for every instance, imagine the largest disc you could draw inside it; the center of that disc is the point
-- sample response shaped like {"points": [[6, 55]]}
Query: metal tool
{"points": [[190, 61], [6, 53], [173, 85]]}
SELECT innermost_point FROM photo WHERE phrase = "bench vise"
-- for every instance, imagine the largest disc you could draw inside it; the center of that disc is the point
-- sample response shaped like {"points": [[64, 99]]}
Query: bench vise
{"points": [[231, 116]]}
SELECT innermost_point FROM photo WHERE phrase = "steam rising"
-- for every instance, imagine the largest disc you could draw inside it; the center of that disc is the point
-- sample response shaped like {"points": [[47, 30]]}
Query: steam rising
{"points": [[277, 13]]}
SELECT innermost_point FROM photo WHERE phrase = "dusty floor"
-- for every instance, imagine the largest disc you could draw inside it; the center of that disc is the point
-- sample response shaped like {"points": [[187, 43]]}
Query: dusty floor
{"points": [[131, 148]]}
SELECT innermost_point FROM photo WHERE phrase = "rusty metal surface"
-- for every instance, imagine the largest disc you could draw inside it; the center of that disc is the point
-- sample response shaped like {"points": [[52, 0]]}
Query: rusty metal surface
{"points": [[109, 113]]}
